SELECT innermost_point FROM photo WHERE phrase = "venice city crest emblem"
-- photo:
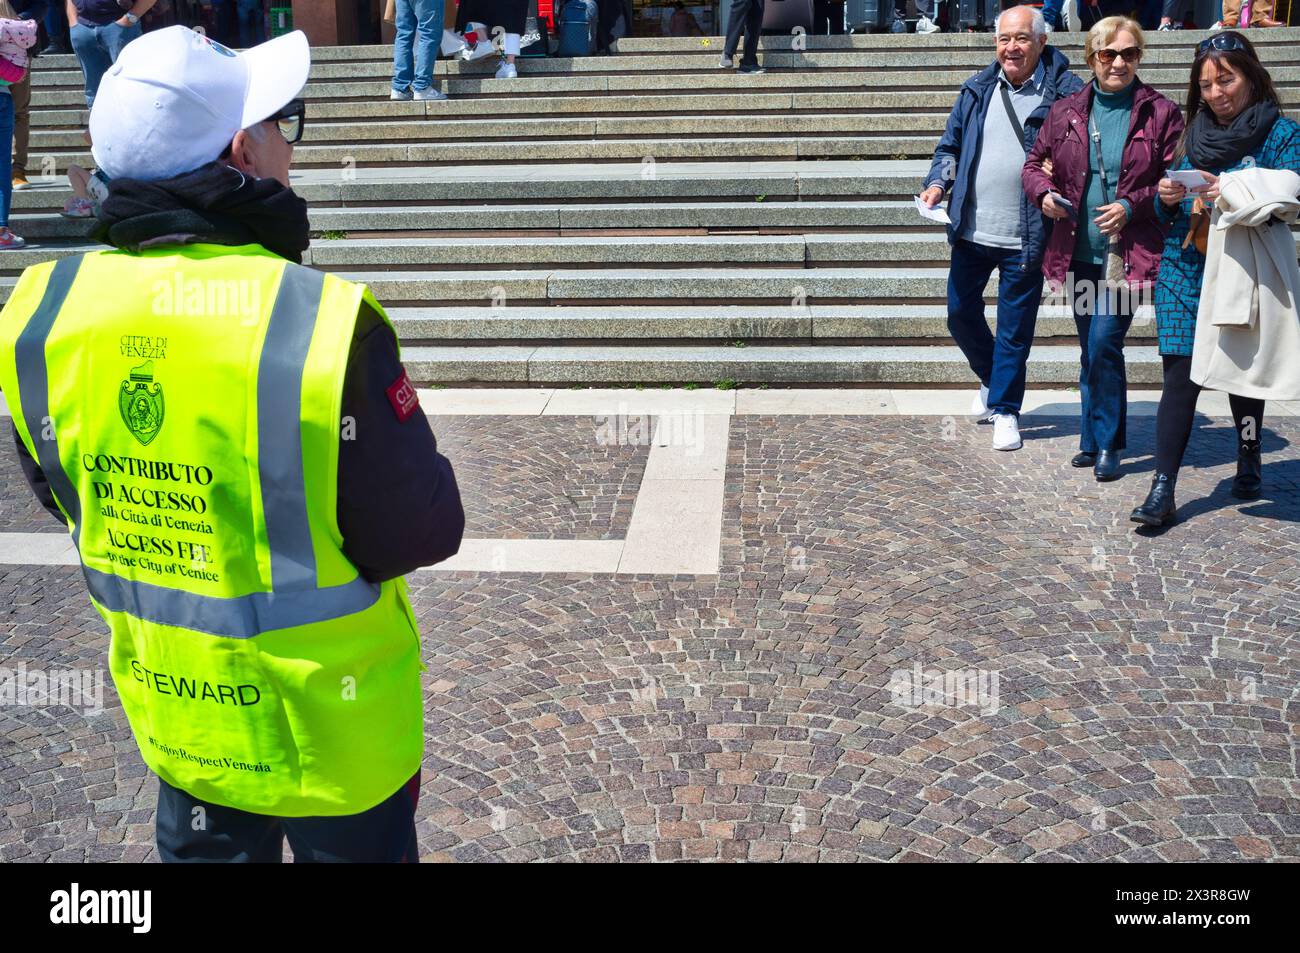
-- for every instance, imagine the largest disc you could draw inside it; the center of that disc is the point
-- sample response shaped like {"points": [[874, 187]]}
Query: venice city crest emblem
{"points": [[141, 402]]}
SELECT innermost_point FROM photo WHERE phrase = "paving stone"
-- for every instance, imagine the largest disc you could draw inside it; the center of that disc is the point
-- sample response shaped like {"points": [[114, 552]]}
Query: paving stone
{"points": [[707, 718]]}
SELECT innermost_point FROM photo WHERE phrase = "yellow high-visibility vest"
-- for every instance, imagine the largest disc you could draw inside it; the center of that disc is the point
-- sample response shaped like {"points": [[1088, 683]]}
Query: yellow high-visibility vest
{"points": [[184, 404]]}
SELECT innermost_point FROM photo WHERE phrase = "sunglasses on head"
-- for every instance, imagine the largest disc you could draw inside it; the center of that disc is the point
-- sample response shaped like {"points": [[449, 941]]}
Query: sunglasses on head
{"points": [[1224, 42], [291, 120], [1108, 56]]}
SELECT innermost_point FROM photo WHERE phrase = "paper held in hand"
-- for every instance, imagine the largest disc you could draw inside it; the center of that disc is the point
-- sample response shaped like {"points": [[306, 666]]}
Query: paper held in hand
{"points": [[1190, 179], [935, 214]]}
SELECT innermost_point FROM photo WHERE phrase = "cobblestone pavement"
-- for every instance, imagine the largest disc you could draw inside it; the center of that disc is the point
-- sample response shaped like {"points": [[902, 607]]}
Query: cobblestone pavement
{"points": [[541, 477], [1145, 704], [19, 511]]}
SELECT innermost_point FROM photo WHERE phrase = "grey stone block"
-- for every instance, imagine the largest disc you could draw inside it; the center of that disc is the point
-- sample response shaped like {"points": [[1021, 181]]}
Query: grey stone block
{"points": [[467, 364], [481, 287], [564, 251], [614, 321]]}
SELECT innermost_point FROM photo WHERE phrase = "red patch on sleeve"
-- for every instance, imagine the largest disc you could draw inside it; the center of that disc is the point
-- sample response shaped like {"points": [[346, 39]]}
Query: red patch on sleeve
{"points": [[401, 394]]}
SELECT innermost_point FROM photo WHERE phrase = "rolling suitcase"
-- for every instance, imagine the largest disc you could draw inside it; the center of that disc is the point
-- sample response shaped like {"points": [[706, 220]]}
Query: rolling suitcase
{"points": [[576, 26], [977, 14], [868, 16], [782, 16]]}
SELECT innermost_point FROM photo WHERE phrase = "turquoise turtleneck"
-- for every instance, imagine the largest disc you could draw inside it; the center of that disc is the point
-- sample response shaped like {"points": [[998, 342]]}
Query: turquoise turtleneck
{"points": [[1111, 113]]}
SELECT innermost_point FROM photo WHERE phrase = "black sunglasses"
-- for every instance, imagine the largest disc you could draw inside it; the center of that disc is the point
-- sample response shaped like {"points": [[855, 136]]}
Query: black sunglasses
{"points": [[1224, 42], [291, 120]]}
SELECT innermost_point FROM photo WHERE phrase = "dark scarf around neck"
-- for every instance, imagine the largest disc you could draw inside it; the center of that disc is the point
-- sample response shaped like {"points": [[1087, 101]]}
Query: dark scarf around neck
{"points": [[213, 204], [1213, 147]]}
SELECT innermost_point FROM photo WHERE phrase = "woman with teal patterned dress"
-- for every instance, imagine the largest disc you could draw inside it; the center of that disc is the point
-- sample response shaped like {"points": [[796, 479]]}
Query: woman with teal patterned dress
{"points": [[1234, 120]]}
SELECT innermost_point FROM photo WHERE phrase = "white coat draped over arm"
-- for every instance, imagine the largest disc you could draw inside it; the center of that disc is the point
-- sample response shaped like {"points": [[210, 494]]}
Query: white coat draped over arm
{"points": [[1248, 324]]}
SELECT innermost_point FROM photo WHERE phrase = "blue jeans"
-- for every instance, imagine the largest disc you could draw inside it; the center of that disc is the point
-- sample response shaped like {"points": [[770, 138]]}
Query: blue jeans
{"points": [[419, 30], [251, 23], [97, 48], [56, 24], [998, 362], [6, 162], [1103, 383], [1052, 13]]}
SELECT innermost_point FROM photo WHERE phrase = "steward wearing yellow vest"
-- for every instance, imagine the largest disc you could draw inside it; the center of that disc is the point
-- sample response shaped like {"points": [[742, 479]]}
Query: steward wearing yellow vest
{"points": [[243, 466]]}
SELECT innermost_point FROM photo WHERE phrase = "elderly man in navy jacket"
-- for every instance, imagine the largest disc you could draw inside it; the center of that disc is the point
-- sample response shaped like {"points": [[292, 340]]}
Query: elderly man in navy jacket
{"points": [[977, 164]]}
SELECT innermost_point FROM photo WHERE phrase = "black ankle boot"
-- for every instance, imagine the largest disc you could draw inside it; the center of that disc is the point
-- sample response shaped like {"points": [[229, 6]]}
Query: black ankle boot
{"points": [[1248, 484], [1159, 507], [1107, 466]]}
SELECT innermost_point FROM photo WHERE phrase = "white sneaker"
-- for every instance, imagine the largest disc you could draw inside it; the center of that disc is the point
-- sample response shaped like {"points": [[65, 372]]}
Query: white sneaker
{"points": [[926, 25], [979, 406], [433, 92], [400, 95], [1006, 432], [507, 71], [725, 62], [1218, 25]]}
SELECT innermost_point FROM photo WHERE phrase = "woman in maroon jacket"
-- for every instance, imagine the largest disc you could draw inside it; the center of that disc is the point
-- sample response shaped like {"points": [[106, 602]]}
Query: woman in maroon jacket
{"points": [[1108, 146]]}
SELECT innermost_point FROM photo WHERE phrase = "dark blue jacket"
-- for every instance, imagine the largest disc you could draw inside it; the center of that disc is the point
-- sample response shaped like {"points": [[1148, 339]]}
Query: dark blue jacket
{"points": [[954, 159]]}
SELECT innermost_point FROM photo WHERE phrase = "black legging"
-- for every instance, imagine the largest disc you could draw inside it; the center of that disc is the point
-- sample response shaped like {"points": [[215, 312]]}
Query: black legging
{"points": [[1178, 407]]}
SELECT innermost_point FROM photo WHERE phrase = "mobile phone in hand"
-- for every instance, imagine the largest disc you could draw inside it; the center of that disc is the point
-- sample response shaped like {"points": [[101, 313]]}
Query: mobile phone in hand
{"points": [[1065, 206]]}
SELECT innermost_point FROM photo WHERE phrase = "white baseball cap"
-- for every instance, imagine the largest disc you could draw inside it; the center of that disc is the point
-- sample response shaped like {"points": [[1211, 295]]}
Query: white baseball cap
{"points": [[174, 99]]}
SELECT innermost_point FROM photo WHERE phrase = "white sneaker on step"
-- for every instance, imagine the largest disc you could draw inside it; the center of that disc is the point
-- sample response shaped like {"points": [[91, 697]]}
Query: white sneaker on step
{"points": [[979, 406], [1006, 432], [926, 25], [507, 71], [433, 92]]}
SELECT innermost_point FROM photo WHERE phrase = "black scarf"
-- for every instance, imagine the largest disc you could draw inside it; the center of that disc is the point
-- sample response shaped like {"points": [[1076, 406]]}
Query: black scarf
{"points": [[1211, 146], [214, 203]]}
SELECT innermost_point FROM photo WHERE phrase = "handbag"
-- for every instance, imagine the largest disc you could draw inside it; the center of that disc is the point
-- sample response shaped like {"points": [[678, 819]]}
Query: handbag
{"points": [[535, 40], [1114, 271], [1199, 229]]}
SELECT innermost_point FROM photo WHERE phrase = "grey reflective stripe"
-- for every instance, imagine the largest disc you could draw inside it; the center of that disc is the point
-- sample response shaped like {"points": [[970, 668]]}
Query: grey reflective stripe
{"points": [[34, 386], [279, 428], [236, 617], [295, 600]]}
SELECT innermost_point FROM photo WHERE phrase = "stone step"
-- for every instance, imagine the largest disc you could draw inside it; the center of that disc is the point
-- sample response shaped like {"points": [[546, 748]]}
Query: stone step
{"points": [[503, 220], [754, 125], [347, 158], [613, 287], [521, 96], [1068, 41], [578, 183], [702, 217], [650, 364], [369, 112], [900, 59], [718, 323], [841, 250]]}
